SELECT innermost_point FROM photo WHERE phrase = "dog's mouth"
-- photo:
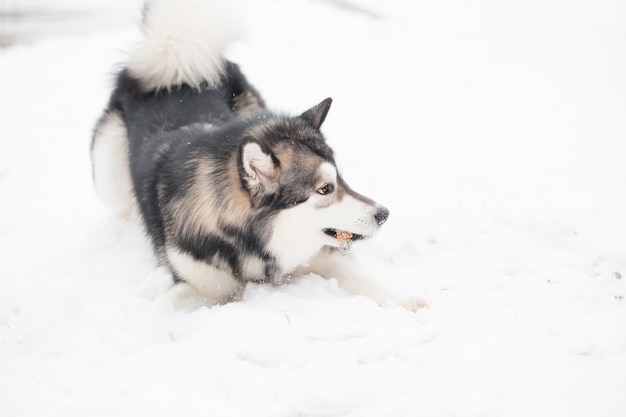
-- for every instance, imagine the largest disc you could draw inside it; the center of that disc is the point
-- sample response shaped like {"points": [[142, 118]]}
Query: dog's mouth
{"points": [[343, 236]]}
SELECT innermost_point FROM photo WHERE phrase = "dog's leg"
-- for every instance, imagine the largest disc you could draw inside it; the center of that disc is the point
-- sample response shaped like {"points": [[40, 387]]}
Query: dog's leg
{"points": [[353, 278], [111, 170], [199, 283]]}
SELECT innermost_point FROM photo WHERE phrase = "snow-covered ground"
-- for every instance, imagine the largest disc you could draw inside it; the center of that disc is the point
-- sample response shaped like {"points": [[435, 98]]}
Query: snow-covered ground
{"points": [[494, 131]]}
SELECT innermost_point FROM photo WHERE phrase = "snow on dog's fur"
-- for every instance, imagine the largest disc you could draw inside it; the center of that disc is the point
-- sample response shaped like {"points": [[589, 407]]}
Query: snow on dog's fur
{"points": [[228, 191]]}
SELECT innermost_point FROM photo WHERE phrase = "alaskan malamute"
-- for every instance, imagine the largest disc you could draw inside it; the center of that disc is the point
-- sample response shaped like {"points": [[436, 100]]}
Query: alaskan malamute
{"points": [[229, 192]]}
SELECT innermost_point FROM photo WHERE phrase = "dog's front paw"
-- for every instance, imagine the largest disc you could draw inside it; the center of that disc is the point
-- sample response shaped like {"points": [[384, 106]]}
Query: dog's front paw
{"points": [[414, 304]]}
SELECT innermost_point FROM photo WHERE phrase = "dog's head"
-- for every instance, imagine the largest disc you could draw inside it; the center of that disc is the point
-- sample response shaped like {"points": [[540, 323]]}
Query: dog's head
{"points": [[290, 173]]}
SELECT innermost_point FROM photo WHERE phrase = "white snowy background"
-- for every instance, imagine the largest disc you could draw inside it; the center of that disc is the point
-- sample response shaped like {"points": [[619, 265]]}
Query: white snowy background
{"points": [[495, 131]]}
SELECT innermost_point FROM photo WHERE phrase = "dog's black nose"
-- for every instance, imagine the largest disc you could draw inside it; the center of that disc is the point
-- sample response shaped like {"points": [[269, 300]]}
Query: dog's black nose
{"points": [[381, 215]]}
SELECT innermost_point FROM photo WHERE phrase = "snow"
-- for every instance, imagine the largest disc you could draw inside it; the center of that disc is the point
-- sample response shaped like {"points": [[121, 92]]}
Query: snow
{"points": [[494, 131]]}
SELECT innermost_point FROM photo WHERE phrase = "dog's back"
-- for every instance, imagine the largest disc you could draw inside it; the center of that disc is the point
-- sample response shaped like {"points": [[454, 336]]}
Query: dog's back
{"points": [[183, 105]]}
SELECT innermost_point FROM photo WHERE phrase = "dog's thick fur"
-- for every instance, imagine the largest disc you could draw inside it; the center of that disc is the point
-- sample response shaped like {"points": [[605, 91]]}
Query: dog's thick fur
{"points": [[229, 192]]}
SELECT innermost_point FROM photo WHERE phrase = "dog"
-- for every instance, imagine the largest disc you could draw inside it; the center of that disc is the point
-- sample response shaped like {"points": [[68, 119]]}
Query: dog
{"points": [[229, 191]]}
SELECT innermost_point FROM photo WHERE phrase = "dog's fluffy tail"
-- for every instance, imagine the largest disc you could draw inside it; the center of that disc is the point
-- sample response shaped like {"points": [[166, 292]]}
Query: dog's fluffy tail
{"points": [[183, 43]]}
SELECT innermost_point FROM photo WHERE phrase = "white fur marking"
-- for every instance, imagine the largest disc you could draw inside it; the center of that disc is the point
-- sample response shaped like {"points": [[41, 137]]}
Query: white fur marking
{"points": [[328, 172], [297, 235], [111, 167]]}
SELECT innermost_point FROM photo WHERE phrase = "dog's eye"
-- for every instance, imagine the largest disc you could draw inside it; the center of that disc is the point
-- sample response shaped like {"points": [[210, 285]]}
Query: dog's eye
{"points": [[326, 189]]}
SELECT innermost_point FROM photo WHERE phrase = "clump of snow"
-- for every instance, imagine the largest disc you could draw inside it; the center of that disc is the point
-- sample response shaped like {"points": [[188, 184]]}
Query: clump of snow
{"points": [[493, 131]]}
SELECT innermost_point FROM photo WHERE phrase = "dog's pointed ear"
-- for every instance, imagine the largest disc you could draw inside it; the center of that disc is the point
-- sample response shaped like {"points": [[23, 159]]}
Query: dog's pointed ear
{"points": [[260, 170], [315, 115]]}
